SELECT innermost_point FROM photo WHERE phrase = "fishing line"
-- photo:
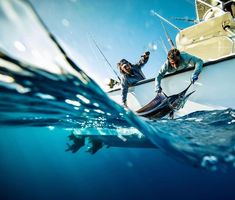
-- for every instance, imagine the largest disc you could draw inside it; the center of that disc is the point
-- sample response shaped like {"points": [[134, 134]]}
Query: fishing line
{"points": [[105, 58], [92, 49]]}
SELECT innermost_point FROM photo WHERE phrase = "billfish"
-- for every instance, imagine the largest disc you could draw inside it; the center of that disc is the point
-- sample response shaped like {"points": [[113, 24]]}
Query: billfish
{"points": [[163, 105]]}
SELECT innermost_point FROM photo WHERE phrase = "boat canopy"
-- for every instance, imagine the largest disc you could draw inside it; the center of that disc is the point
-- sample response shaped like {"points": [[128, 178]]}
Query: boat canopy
{"points": [[203, 7], [213, 37]]}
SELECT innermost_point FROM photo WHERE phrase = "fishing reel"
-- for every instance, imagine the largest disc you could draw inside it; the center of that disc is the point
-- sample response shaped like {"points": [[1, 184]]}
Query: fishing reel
{"points": [[111, 83]]}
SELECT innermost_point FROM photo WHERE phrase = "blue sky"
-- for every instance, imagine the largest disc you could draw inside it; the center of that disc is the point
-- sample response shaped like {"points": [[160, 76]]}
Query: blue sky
{"points": [[122, 29]]}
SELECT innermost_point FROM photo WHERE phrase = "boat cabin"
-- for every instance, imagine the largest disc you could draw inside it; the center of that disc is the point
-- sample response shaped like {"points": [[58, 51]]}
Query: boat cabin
{"points": [[213, 36]]}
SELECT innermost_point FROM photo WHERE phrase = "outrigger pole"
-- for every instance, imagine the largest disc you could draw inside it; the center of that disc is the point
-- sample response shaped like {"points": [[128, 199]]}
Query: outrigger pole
{"points": [[162, 18], [105, 58], [168, 37], [165, 31], [164, 46]]}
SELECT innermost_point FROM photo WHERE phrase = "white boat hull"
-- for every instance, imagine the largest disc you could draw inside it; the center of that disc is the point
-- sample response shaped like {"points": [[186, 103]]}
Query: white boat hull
{"points": [[214, 88]]}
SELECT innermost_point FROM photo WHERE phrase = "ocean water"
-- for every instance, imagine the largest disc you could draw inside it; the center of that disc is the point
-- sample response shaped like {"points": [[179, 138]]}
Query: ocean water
{"points": [[40, 107], [39, 110]]}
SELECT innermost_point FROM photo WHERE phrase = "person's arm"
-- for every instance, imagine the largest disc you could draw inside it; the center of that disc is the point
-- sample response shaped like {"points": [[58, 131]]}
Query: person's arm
{"points": [[143, 60], [198, 63], [160, 75], [124, 90]]}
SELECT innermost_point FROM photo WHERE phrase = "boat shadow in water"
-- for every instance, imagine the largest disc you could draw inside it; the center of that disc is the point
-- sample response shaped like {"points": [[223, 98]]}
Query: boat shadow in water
{"points": [[93, 143]]}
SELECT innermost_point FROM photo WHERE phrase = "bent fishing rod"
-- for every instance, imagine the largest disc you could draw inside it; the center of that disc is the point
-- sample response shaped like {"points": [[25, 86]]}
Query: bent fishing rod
{"points": [[105, 58]]}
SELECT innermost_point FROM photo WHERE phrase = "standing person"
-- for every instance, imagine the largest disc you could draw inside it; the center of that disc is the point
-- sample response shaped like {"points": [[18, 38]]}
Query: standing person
{"points": [[131, 74], [177, 61]]}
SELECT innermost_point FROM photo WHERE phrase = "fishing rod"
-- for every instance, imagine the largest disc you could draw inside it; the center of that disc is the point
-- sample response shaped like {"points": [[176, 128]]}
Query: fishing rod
{"points": [[105, 58]]}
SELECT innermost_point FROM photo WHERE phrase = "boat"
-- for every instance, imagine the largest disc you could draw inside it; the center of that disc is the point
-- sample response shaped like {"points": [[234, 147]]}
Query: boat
{"points": [[212, 39]]}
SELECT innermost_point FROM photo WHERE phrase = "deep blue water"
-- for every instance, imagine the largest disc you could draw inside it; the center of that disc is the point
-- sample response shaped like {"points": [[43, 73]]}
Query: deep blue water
{"points": [[34, 165]]}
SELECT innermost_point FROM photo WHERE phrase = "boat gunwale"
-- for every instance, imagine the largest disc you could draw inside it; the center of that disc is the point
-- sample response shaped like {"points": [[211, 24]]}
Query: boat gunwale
{"points": [[206, 64]]}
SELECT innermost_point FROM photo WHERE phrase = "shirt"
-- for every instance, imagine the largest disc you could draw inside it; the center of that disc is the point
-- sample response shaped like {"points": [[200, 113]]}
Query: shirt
{"points": [[186, 60], [130, 79]]}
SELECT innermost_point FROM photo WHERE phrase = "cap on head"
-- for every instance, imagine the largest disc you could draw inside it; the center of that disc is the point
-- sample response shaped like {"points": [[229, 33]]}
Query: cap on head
{"points": [[147, 53], [122, 62]]}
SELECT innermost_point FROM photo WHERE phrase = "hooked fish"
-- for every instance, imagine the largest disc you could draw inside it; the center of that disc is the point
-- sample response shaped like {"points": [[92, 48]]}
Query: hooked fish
{"points": [[163, 105]]}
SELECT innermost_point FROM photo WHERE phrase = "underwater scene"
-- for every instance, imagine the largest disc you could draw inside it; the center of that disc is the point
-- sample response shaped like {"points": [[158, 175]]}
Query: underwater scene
{"points": [[62, 137]]}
